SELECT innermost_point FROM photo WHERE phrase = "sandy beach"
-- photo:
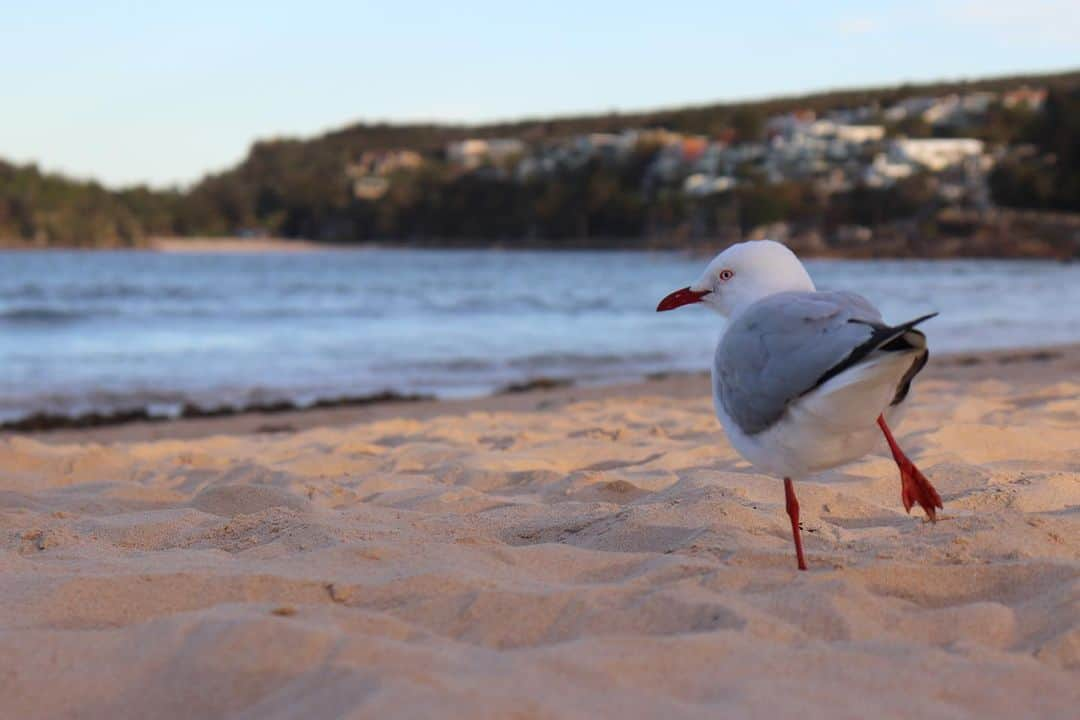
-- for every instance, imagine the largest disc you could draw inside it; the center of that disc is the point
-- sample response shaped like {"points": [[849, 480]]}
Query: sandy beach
{"points": [[230, 245], [578, 553]]}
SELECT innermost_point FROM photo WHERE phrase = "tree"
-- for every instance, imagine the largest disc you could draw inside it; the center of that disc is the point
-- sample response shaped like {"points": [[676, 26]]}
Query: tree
{"points": [[1050, 178]]}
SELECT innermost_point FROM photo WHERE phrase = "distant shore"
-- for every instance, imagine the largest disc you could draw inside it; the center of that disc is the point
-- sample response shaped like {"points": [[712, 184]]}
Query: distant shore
{"points": [[1027, 245]]}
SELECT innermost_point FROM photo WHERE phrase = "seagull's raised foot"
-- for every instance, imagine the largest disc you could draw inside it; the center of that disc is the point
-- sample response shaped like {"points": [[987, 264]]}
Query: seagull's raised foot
{"points": [[914, 487]]}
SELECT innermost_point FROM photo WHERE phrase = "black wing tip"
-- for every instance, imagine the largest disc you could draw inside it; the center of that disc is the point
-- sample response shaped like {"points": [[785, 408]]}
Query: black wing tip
{"points": [[894, 331], [882, 326], [922, 319]]}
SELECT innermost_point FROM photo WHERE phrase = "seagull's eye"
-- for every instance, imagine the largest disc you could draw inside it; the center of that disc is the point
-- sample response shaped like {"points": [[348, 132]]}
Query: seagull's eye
{"points": [[726, 274]]}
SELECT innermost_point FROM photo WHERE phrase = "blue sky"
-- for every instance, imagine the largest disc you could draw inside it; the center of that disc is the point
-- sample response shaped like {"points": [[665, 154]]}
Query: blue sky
{"points": [[163, 92]]}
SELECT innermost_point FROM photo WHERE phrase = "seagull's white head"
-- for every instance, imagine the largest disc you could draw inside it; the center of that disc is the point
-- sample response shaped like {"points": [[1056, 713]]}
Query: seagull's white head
{"points": [[740, 276]]}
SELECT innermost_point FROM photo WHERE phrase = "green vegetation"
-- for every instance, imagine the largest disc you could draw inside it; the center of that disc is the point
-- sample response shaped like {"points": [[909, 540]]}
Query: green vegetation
{"points": [[1047, 175], [41, 209]]}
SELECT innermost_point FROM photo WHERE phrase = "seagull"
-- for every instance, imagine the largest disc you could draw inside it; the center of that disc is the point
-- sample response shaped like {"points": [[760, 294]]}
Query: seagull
{"points": [[803, 380]]}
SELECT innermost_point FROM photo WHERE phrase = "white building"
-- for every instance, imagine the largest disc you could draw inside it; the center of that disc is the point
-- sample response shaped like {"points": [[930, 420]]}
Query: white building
{"points": [[474, 152], [943, 110], [1030, 98], [855, 134], [370, 187], [609, 145], [860, 134], [909, 107], [853, 116], [952, 109], [977, 103], [668, 163], [936, 154], [790, 123], [700, 184], [883, 172], [384, 162]]}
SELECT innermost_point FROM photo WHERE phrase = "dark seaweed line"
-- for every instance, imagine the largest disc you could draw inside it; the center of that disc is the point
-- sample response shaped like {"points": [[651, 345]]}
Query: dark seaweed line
{"points": [[41, 422]]}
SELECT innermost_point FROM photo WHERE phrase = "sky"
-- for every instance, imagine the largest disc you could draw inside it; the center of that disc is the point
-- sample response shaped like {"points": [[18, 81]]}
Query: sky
{"points": [[162, 93]]}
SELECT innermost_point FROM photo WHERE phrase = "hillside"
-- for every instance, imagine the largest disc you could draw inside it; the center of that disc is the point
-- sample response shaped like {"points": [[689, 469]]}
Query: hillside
{"points": [[845, 172]]}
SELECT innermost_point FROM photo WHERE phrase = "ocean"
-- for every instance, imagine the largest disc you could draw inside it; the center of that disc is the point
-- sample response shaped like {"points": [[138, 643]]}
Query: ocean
{"points": [[110, 331]]}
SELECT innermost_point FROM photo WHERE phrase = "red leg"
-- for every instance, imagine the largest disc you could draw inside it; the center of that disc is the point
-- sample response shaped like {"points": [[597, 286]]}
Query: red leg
{"points": [[793, 513], [914, 487]]}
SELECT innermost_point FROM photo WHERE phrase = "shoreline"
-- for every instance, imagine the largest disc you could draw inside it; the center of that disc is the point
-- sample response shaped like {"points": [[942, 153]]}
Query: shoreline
{"points": [[1019, 365]]}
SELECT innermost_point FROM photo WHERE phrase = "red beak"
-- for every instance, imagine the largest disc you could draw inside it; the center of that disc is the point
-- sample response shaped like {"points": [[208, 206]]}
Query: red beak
{"points": [[686, 296]]}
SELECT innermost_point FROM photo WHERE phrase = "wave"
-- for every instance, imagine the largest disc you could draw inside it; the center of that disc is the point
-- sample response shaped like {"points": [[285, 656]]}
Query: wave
{"points": [[119, 291], [41, 305], [452, 365], [540, 361], [517, 366], [42, 316], [46, 315]]}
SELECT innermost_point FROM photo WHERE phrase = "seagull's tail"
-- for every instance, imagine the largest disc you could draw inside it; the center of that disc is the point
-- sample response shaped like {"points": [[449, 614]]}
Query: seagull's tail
{"points": [[901, 337], [906, 339]]}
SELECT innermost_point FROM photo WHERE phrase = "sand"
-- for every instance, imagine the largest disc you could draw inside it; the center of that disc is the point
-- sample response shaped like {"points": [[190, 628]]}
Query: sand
{"points": [[579, 554], [230, 245]]}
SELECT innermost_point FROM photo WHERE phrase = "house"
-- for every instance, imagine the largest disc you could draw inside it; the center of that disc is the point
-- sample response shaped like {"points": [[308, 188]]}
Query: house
{"points": [[473, 152], [712, 159], [859, 134], [909, 107], [842, 142], [700, 184], [607, 147], [790, 124], [656, 137], [943, 111], [499, 149], [977, 103], [467, 153], [693, 148], [853, 116], [384, 162], [936, 154], [370, 187], [835, 180], [369, 173], [956, 109], [799, 154], [884, 172], [1025, 97], [818, 128], [668, 163]]}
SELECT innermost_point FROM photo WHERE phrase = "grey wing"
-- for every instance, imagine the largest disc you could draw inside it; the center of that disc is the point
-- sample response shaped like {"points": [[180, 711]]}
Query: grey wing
{"points": [[783, 346], [860, 308]]}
